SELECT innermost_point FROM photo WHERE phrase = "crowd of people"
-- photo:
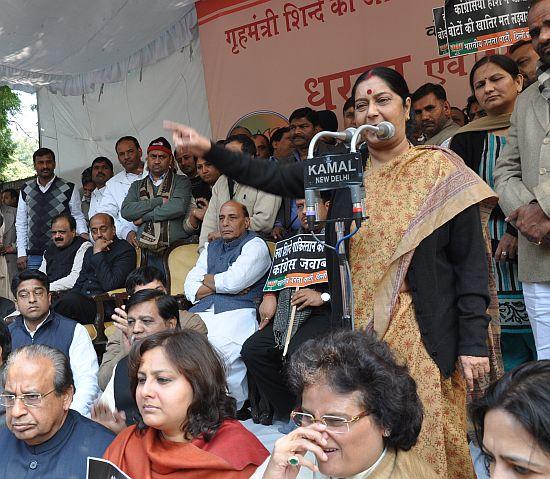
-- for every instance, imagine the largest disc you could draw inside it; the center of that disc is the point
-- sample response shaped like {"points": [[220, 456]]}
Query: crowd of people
{"points": [[445, 372]]}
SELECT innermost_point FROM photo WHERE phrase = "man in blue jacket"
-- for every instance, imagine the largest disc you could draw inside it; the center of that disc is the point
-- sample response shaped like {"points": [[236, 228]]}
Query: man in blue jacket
{"points": [[44, 438], [38, 324]]}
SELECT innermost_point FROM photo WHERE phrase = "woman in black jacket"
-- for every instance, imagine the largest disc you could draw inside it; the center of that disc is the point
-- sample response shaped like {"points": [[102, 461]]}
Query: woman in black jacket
{"points": [[419, 266]]}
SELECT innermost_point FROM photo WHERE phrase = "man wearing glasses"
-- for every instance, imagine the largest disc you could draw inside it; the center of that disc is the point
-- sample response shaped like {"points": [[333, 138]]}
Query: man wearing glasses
{"points": [[44, 438], [37, 324]]}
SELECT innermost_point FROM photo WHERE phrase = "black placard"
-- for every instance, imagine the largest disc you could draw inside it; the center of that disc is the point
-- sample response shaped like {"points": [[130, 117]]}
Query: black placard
{"points": [[299, 261], [331, 172], [102, 469], [477, 25]]}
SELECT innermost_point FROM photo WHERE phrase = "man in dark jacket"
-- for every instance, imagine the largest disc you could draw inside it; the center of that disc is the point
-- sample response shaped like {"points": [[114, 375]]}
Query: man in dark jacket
{"points": [[105, 267], [63, 259], [44, 438]]}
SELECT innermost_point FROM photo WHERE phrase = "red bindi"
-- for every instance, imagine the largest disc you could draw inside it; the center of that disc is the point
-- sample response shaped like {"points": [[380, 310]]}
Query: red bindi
{"points": [[369, 91]]}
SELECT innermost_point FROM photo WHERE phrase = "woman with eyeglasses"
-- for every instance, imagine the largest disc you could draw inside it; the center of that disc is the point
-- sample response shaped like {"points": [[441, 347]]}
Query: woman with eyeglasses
{"points": [[419, 265], [512, 423], [359, 413]]}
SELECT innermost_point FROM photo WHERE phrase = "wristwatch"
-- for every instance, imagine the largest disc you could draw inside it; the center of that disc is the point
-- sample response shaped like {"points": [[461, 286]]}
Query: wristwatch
{"points": [[325, 297]]}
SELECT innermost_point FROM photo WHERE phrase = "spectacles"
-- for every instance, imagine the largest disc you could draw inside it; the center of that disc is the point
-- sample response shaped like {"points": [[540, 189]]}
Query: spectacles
{"points": [[335, 424], [29, 399], [38, 292]]}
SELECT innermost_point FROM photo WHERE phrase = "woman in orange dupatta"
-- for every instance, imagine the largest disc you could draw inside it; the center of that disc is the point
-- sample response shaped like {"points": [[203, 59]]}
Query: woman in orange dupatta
{"points": [[187, 429], [424, 235]]}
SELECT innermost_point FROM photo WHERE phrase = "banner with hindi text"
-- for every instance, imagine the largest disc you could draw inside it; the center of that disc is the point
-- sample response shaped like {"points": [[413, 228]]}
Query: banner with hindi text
{"points": [[478, 25], [298, 262], [275, 56]]}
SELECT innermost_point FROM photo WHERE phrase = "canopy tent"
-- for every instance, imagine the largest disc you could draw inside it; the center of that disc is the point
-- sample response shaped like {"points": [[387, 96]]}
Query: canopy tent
{"points": [[103, 69]]}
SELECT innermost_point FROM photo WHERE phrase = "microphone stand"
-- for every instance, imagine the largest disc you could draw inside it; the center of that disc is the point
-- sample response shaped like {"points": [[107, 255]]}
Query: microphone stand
{"points": [[341, 237]]}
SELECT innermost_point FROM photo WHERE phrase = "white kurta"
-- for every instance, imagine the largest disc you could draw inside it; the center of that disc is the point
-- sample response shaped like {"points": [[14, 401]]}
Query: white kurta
{"points": [[114, 194], [228, 331]]}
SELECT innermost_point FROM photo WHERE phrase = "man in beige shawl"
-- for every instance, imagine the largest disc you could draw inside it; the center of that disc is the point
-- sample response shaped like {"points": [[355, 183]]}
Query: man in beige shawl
{"points": [[432, 112]]}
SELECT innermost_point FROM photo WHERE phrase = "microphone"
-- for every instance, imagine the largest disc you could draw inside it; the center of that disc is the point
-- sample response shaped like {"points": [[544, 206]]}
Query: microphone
{"points": [[385, 130], [313, 198], [357, 197], [345, 135]]}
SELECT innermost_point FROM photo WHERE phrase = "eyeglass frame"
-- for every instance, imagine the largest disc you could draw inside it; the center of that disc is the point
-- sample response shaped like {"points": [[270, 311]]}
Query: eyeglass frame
{"points": [[345, 421], [23, 397]]}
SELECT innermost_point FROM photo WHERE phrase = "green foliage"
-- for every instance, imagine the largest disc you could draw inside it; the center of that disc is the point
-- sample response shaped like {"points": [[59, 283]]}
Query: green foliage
{"points": [[9, 105], [21, 165]]}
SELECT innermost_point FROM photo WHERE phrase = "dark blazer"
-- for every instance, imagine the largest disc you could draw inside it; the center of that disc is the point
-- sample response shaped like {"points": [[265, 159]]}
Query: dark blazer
{"points": [[102, 272], [448, 275]]}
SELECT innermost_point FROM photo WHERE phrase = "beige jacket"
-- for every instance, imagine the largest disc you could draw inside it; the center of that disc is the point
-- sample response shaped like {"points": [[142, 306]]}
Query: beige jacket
{"points": [[394, 465], [522, 174], [262, 207], [116, 349]]}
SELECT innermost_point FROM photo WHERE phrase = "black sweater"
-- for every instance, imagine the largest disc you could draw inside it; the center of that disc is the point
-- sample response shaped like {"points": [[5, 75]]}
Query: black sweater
{"points": [[448, 275]]}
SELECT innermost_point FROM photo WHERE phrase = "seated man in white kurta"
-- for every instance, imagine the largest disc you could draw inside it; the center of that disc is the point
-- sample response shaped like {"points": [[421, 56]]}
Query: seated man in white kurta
{"points": [[225, 286]]}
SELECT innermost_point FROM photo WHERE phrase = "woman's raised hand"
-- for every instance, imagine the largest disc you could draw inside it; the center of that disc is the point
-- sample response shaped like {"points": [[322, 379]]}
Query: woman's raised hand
{"points": [[295, 445], [187, 139]]}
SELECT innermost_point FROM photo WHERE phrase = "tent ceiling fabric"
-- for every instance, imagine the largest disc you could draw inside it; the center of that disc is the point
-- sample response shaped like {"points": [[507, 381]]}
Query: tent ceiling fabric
{"points": [[73, 47]]}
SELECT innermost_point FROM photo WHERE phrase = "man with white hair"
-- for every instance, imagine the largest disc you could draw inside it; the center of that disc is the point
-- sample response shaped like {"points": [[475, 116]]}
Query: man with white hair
{"points": [[44, 438]]}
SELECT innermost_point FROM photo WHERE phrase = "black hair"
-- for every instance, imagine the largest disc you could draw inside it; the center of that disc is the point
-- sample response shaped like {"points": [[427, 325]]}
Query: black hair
{"points": [[86, 176], [43, 152], [469, 102], [462, 112], [13, 193], [356, 361], [65, 216], [103, 159], [502, 61], [249, 148], [517, 45], [397, 84], [328, 120], [194, 358], [392, 78], [127, 138], [5, 340], [428, 88], [278, 134], [27, 275], [269, 146], [143, 275], [523, 393], [306, 112], [348, 104], [167, 305], [262, 135]]}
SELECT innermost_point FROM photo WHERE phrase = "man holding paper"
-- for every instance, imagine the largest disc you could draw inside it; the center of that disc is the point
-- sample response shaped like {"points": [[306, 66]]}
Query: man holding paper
{"points": [[263, 352]]}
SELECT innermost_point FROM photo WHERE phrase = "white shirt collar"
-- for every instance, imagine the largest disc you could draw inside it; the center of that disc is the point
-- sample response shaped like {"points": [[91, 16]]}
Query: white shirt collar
{"points": [[32, 333], [48, 184]]}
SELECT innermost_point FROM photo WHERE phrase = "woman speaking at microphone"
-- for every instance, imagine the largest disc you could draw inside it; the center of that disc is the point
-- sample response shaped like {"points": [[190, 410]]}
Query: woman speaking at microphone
{"points": [[419, 265]]}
